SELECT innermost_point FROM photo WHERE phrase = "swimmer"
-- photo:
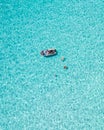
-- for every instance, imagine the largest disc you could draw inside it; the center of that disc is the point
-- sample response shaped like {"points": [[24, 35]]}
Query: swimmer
{"points": [[62, 58], [65, 67]]}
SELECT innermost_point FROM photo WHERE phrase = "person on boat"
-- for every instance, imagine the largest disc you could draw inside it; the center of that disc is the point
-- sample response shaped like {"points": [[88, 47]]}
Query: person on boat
{"points": [[50, 51]]}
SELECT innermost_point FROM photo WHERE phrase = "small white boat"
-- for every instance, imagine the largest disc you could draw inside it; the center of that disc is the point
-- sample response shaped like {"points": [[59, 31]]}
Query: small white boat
{"points": [[49, 52]]}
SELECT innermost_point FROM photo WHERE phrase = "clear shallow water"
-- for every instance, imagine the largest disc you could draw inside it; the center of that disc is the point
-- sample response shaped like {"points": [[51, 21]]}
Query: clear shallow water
{"points": [[31, 97]]}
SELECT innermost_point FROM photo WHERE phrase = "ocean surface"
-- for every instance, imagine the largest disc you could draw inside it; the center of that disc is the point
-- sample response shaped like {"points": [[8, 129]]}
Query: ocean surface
{"points": [[37, 93]]}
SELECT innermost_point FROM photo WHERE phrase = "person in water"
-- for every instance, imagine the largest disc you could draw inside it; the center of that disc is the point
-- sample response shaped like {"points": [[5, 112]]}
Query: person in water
{"points": [[62, 58], [65, 67]]}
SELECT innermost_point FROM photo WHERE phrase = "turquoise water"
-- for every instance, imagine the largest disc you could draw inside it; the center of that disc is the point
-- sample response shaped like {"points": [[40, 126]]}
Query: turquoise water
{"points": [[31, 96]]}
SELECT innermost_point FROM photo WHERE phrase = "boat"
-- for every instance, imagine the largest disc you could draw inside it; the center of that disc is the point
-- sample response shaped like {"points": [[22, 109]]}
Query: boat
{"points": [[48, 52]]}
